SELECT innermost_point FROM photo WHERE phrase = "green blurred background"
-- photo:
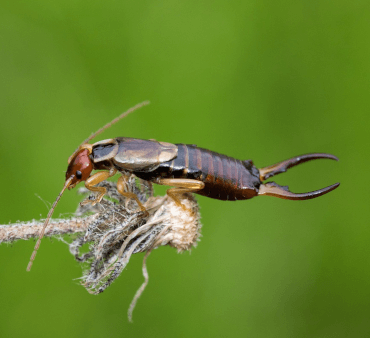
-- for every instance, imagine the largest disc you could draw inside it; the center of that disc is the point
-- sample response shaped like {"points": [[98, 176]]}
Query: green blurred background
{"points": [[252, 79]]}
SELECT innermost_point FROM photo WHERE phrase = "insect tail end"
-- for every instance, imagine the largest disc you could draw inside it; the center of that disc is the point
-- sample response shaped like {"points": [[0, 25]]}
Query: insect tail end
{"points": [[274, 189]]}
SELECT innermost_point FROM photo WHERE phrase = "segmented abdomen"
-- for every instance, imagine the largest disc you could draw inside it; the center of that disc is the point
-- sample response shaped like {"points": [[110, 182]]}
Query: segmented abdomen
{"points": [[225, 178]]}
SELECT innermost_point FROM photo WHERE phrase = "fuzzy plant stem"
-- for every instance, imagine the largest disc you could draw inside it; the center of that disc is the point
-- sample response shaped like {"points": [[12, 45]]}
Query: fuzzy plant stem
{"points": [[28, 230]]}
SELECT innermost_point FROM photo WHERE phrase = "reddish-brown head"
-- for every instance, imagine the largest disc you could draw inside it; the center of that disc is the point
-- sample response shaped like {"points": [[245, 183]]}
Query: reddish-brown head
{"points": [[79, 168]]}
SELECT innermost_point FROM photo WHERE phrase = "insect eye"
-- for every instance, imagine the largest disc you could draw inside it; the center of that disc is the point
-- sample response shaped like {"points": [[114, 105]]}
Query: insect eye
{"points": [[78, 174]]}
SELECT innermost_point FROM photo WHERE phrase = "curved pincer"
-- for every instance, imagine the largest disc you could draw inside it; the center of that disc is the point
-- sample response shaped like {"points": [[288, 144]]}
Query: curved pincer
{"points": [[273, 189]]}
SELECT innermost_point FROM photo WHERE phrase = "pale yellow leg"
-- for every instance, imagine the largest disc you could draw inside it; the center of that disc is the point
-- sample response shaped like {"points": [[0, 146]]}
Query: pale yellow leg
{"points": [[182, 186], [94, 180], [121, 185]]}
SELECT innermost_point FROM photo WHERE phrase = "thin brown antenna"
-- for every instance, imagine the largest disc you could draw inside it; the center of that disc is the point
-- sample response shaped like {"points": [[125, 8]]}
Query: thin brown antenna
{"points": [[132, 109], [41, 235]]}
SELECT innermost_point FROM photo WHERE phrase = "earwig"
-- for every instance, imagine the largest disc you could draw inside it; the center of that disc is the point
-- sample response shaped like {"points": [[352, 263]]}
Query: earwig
{"points": [[187, 168]]}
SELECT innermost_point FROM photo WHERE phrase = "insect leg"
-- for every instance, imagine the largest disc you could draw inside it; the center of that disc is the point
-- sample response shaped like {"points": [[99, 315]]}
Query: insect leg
{"points": [[181, 185], [121, 185], [94, 180]]}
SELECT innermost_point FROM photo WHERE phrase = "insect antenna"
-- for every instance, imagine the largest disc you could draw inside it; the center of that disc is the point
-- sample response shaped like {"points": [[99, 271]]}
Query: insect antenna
{"points": [[42, 232], [132, 109]]}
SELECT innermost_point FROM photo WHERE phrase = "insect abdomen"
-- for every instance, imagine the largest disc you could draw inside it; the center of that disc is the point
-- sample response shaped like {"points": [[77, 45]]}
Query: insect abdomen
{"points": [[225, 178]]}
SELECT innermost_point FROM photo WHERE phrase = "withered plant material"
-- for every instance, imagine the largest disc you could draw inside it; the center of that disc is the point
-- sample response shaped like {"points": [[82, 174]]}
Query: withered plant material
{"points": [[29, 230], [116, 228]]}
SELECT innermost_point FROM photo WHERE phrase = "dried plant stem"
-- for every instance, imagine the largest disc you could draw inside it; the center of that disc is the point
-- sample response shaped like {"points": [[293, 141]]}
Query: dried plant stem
{"points": [[141, 289], [28, 230]]}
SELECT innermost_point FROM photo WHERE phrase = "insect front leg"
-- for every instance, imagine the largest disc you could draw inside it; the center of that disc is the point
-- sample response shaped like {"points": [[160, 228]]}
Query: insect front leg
{"points": [[96, 179], [121, 185], [182, 186]]}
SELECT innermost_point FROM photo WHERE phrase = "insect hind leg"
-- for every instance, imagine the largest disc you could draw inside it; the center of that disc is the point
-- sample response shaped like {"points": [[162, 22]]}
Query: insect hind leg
{"points": [[121, 185], [181, 186]]}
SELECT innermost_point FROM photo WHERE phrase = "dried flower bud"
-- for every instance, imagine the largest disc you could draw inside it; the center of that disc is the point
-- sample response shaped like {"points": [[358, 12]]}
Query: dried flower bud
{"points": [[120, 229]]}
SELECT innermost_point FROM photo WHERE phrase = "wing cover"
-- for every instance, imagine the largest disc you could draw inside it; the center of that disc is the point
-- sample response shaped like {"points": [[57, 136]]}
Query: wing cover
{"points": [[143, 155]]}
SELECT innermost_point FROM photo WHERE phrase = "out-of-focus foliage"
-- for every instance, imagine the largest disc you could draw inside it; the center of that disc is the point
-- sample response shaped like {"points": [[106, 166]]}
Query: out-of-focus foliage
{"points": [[253, 79]]}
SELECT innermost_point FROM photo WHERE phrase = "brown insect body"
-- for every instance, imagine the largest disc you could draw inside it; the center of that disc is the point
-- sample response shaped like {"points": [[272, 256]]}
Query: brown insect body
{"points": [[218, 176], [187, 168], [224, 177]]}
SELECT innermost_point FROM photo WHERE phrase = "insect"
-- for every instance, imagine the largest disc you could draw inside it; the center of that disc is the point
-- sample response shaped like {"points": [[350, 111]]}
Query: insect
{"points": [[187, 168]]}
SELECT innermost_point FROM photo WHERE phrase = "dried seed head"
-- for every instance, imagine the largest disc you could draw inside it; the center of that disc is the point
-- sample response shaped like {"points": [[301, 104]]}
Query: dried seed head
{"points": [[120, 229], [183, 226]]}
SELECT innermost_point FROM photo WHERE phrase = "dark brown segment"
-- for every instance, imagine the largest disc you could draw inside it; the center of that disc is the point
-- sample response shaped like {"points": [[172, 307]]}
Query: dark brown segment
{"points": [[193, 157], [199, 158], [240, 177], [234, 179], [211, 170], [218, 173], [179, 162], [227, 169], [192, 172], [205, 159], [207, 167]]}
